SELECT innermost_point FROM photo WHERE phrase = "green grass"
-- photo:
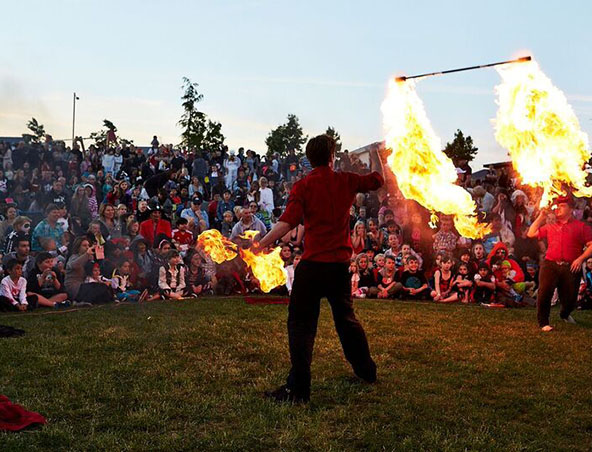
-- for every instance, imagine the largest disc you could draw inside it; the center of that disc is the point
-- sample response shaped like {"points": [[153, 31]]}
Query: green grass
{"points": [[189, 376]]}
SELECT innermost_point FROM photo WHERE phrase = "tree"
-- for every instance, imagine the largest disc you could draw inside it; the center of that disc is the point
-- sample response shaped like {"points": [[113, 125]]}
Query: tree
{"points": [[285, 137], [107, 136], [37, 132], [199, 132], [333, 133], [461, 148]]}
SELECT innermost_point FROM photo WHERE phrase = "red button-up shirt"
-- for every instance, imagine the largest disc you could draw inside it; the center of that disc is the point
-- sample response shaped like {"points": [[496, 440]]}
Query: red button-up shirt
{"points": [[323, 199], [565, 241]]}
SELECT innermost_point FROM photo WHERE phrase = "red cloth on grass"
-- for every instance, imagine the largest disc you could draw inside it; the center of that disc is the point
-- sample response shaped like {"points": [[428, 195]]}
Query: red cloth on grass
{"points": [[14, 417], [267, 300]]}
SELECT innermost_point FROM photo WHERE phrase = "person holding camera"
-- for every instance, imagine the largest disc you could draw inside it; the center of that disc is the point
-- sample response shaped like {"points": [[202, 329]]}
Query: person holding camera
{"points": [[77, 289], [45, 283]]}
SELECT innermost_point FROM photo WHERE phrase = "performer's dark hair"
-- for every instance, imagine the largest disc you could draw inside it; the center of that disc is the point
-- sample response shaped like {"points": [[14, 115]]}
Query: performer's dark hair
{"points": [[320, 150]]}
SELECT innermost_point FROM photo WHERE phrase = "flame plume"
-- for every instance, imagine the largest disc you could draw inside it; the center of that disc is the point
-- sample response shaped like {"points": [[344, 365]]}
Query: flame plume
{"points": [[541, 132], [268, 268], [218, 247], [424, 173]]}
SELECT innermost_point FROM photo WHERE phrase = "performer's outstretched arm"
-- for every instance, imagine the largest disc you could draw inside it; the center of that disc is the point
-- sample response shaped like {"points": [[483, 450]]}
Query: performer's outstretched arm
{"points": [[280, 229]]}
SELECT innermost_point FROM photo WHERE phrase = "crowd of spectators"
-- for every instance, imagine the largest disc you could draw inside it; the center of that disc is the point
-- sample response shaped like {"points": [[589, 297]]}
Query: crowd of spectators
{"points": [[109, 224]]}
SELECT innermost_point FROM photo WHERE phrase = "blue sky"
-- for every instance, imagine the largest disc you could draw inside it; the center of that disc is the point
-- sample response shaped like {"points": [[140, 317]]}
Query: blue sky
{"points": [[258, 60]]}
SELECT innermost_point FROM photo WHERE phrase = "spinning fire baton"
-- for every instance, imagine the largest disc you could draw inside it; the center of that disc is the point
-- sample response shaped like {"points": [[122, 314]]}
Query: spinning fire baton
{"points": [[470, 68]]}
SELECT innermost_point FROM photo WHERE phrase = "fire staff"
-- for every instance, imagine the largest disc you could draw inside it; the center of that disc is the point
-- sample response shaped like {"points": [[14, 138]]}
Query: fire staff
{"points": [[323, 200], [561, 268]]}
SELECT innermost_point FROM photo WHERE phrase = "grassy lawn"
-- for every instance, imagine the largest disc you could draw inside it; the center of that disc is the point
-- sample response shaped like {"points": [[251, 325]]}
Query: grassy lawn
{"points": [[189, 376]]}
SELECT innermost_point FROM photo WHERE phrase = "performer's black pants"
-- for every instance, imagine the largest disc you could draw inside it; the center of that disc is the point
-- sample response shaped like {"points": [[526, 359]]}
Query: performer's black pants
{"points": [[313, 281], [551, 276]]}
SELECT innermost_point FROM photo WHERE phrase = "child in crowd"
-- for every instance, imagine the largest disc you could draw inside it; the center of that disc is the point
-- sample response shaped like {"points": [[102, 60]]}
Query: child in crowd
{"points": [[586, 293], [93, 274], [378, 264], [414, 282], [286, 254], [484, 290], [227, 224], [443, 278], [45, 283], [406, 252], [466, 258], [182, 238], [13, 289], [462, 283], [368, 282], [505, 292], [171, 277], [296, 258], [388, 287], [122, 285], [196, 279]]}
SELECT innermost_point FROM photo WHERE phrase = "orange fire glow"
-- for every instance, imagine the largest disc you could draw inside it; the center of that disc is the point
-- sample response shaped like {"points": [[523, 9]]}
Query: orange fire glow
{"points": [[218, 247], [538, 127], [424, 173], [268, 268]]}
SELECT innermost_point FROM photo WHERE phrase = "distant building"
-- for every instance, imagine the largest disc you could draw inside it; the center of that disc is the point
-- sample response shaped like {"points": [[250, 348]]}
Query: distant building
{"points": [[364, 152], [11, 140]]}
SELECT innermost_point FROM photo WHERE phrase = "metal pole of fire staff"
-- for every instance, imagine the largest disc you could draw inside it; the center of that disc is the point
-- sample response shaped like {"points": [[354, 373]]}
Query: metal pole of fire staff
{"points": [[468, 68]]}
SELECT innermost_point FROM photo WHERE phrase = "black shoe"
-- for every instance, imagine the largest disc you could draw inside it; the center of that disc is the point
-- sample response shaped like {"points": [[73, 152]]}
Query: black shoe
{"points": [[368, 375], [285, 394]]}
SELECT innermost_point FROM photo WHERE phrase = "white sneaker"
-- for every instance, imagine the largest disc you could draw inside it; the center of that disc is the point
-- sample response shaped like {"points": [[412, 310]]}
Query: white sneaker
{"points": [[547, 328], [570, 320]]}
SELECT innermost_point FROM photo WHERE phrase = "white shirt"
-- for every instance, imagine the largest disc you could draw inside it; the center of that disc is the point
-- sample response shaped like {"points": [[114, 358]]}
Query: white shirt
{"points": [[266, 199], [16, 293]]}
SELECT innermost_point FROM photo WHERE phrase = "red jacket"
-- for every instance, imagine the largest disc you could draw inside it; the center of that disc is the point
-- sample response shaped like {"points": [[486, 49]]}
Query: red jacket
{"points": [[323, 199], [148, 231]]}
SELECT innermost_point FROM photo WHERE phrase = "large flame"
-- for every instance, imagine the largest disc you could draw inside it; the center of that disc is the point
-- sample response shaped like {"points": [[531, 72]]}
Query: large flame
{"points": [[218, 247], [424, 173], [541, 132], [268, 268]]}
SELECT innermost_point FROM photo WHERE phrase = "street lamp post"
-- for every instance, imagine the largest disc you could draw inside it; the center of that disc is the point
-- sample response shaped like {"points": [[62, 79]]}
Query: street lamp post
{"points": [[74, 99]]}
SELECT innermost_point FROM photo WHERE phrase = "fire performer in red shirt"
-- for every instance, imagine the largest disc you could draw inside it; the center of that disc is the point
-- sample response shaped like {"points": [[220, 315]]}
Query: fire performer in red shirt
{"points": [[562, 267], [323, 199]]}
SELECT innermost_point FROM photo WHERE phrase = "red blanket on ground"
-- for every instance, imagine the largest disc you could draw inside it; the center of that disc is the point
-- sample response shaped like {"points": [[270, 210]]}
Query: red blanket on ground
{"points": [[267, 300], [14, 417]]}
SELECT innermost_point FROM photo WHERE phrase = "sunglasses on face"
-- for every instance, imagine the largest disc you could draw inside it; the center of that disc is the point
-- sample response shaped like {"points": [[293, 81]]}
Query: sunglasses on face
{"points": [[26, 225]]}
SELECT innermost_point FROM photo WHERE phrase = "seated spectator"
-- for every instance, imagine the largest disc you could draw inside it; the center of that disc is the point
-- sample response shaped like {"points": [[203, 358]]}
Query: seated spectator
{"points": [[484, 289], [227, 224], [359, 238], [443, 278], [196, 279], [45, 283], [388, 287], [413, 281], [224, 205], [121, 283], [153, 227], [22, 253], [48, 228], [248, 222], [171, 277], [77, 289], [13, 290], [182, 238], [445, 239], [296, 257], [20, 227], [462, 283], [197, 219]]}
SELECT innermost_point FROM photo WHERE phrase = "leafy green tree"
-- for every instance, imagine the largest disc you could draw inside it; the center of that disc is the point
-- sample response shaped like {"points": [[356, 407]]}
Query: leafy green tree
{"points": [[37, 132], [285, 137], [333, 133], [199, 132], [461, 148], [108, 135]]}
